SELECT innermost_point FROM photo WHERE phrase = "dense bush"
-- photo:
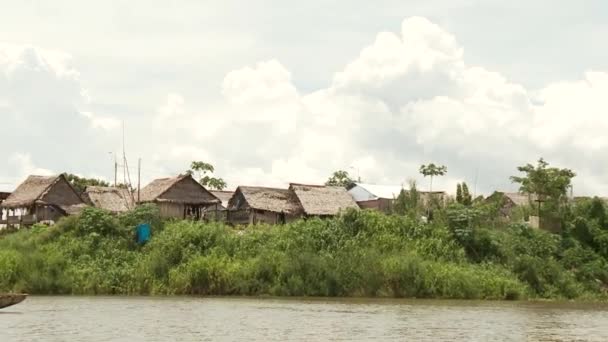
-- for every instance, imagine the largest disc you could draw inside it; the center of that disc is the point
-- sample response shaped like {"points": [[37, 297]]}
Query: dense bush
{"points": [[365, 253]]}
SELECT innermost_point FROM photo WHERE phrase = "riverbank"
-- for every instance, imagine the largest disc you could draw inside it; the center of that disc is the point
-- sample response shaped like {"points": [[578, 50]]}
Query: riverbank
{"points": [[359, 254]]}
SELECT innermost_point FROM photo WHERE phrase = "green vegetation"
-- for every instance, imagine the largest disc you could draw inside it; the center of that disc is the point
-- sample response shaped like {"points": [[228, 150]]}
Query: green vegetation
{"points": [[340, 178], [432, 170], [469, 250], [361, 253], [204, 173], [80, 183], [463, 196]]}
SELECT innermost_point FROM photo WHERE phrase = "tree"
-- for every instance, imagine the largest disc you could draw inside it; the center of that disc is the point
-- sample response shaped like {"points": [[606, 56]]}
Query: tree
{"points": [[407, 203], [433, 170], [340, 178], [467, 198], [459, 193], [549, 184], [203, 172], [80, 183], [463, 196]]}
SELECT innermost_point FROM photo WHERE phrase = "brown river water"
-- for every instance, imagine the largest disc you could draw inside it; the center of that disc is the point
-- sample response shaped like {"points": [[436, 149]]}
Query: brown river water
{"points": [[253, 319]]}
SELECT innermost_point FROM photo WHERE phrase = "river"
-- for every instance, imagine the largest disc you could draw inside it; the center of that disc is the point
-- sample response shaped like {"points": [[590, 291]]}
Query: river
{"points": [[246, 319]]}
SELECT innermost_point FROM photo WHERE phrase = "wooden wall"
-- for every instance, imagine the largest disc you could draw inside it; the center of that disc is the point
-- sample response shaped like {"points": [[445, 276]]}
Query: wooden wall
{"points": [[171, 210], [62, 194], [380, 204], [47, 213], [189, 191]]}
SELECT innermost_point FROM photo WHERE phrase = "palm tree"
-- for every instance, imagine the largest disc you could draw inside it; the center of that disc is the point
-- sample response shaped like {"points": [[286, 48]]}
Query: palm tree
{"points": [[432, 170]]}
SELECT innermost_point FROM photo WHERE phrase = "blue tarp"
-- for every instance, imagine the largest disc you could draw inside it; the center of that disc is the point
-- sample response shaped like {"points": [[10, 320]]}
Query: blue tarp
{"points": [[143, 233]]}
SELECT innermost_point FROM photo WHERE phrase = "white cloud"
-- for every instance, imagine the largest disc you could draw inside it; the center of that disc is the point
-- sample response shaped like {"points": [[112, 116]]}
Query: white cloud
{"points": [[23, 162], [45, 119], [104, 122], [408, 98], [267, 81]]}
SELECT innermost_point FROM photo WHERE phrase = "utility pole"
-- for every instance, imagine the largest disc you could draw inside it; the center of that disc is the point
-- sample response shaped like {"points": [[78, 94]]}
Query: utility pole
{"points": [[115, 167]]}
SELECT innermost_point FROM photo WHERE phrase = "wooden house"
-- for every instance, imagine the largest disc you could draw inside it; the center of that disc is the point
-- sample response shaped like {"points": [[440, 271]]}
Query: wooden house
{"points": [[224, 196], [219, 212], [112, 199], [509, 202], [321, 200], [41, 199], [251, 204], [179, 197]]}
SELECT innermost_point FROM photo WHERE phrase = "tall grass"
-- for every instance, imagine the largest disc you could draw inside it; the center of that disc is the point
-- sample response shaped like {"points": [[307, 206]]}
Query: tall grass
{"points": [[356, 254]]}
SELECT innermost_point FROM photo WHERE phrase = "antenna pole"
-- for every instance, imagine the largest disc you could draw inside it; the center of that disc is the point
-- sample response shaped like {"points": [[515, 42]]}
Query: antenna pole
{"points": [[115, 170], [126, 173], [138, 178], [124, 157]]}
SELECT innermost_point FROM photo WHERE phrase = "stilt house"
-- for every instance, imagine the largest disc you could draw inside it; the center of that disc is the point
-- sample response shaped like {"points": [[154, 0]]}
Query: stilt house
{"points": [[252, 204], [321, 200], [179, 197], [41, 199]]}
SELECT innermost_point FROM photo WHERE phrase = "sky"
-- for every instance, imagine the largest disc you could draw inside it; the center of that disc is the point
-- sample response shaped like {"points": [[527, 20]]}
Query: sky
{"points": [[272, 92]]}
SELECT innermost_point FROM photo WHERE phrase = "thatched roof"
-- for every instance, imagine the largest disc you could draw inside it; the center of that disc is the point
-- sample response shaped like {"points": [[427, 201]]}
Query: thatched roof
{"points": [[513, 198], [517, 198], [4, 195], [223, 196], [267, 199], [319, 200], [116, 200], [180, 189], [34, 188], [72, 209], [29, 191]]}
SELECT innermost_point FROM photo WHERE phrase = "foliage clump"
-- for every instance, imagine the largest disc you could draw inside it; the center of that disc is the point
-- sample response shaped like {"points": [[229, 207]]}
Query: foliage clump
{"points": [[468, 250]]}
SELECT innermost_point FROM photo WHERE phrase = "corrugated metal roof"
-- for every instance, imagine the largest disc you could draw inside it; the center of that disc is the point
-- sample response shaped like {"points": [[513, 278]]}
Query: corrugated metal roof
{"points": [[382, 191]]}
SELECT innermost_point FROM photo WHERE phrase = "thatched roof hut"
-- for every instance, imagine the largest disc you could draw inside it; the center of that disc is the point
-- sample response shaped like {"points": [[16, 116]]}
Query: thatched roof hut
{"points": [[512, 199], [179, 197], [180, 189], [223, 196], [320, 200], [266, 199], [51, 190], [42, 199], [519, 199], [116, 200]]}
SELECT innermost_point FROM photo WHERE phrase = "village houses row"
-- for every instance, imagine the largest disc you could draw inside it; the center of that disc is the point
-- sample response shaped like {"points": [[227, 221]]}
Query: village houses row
{"points": [[47, 198]]}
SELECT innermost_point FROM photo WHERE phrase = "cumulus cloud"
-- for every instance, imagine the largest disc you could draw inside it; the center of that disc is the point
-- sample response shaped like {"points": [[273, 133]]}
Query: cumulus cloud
{"points": [[411, 98], [44, 116], [408, 98], [266, 82]]}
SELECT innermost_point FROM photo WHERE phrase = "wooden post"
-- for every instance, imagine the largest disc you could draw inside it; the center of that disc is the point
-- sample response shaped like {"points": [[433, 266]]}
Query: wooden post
{"points": [[138, 178]]}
